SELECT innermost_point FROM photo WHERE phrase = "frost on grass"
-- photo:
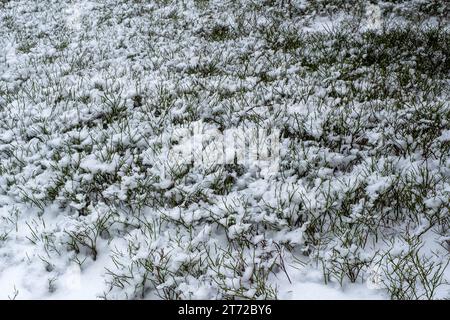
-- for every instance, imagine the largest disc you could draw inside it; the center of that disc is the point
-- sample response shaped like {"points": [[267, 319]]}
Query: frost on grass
{"points": [[102, 193]]}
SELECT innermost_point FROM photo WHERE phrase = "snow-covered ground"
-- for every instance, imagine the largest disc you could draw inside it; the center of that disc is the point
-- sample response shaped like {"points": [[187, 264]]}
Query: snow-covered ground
{"points": [[206, 149]]}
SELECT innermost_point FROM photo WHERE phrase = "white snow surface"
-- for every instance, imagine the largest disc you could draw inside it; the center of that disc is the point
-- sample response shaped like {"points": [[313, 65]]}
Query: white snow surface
{"points": [[97, 194]]}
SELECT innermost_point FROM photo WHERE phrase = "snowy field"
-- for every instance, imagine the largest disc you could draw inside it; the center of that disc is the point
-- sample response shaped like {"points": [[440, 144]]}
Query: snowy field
{"points": [[247, 149]]}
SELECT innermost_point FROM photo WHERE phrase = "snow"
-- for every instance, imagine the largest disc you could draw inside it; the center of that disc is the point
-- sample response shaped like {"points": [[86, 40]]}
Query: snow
{"points": [[306, 284], [164, 150]]}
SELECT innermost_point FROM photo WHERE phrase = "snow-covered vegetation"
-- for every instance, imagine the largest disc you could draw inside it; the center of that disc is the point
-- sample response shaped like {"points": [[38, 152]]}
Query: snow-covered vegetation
{"points": [[109, 110]]}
